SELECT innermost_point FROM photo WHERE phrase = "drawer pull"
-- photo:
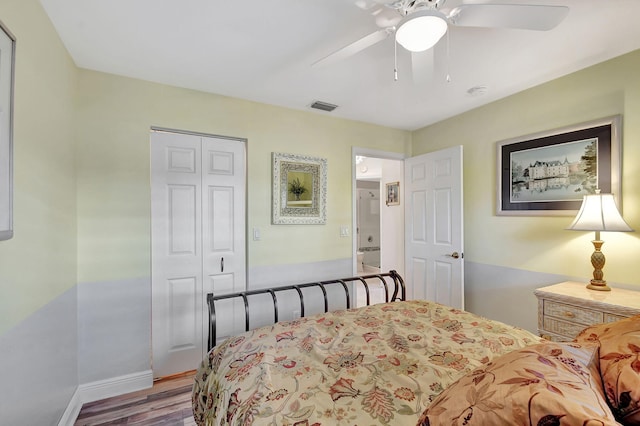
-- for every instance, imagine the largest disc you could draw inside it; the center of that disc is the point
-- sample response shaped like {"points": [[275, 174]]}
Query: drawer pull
{"points": [[569, 314]]}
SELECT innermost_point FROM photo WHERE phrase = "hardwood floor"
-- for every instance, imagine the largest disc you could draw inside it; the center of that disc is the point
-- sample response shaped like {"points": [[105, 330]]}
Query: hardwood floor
{"points": [[168, 402]]}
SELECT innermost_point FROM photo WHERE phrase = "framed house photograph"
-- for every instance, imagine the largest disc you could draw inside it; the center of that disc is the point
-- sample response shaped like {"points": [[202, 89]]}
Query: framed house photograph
{"points": [[393, 194], [7, 60], [549, 173], [299, 189]]}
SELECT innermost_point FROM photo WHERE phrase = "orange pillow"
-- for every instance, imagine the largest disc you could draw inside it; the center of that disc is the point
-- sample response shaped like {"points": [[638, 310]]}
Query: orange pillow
{"points": [[619, 365], [544, 384]]}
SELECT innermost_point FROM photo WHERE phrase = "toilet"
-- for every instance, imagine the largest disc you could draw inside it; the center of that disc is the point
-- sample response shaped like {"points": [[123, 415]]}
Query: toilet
{"points": [[360, 256]]}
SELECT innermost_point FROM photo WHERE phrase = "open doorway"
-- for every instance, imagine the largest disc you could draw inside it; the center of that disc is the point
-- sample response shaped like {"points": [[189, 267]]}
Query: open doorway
{"points": [[367, 217], [378, 237]]}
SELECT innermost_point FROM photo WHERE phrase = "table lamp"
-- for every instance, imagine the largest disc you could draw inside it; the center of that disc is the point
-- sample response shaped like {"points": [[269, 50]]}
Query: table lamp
{"points": [[598, 213]]}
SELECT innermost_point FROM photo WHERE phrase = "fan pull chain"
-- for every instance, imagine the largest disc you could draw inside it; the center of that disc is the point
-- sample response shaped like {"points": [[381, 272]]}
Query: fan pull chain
{"points": [[395, 60], [448, 78]]}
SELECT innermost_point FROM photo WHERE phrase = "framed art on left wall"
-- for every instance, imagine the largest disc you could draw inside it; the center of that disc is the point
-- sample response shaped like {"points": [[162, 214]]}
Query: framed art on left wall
{"points": [[299, 189], [7, 60]]}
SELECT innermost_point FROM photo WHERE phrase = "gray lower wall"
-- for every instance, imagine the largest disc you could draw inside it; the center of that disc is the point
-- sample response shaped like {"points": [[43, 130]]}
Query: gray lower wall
{"points": [[39, 365], [280, 275], [114, 329], [114, 317], [505, 294]]}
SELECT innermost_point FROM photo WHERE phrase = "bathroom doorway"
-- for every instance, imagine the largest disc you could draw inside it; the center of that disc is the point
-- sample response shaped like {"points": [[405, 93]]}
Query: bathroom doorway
{"points": [[368, 226], [378, 237]]}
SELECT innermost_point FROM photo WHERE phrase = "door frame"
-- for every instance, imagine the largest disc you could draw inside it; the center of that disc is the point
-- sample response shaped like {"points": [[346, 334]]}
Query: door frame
{"points": [[365, 152]]}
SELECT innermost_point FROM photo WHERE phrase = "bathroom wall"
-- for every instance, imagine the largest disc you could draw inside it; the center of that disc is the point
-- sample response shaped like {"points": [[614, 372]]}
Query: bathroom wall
{"points": [[392, 219], [368, 209]]}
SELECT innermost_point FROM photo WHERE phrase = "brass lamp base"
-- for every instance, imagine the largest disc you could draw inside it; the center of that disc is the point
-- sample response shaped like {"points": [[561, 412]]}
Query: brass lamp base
{"points": [[597, 260], [598, 285]]}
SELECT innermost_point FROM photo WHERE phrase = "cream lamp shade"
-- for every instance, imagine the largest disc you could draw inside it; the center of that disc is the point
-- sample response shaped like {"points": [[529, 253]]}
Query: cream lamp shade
{"points": [[599, 213], [421, 30]]}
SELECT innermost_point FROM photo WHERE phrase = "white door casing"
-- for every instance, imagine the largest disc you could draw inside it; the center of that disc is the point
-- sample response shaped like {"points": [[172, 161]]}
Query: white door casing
{"points": [[198, 240], [434, 267]]}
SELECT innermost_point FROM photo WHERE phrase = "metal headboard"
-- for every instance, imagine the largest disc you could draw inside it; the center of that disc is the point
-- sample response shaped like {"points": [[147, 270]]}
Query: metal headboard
{"points": [[399, 293]]}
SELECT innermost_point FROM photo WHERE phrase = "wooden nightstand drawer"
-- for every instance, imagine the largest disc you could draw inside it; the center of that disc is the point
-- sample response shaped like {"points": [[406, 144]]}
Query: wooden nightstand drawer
{"points": [[572, 313]]}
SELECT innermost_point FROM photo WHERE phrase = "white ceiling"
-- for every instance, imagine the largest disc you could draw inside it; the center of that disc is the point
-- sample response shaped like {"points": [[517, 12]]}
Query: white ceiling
{"points": [[263, 50]]}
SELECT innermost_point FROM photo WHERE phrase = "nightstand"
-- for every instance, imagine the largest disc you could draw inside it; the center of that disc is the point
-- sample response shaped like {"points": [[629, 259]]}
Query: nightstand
{"points": [[565, 309]]}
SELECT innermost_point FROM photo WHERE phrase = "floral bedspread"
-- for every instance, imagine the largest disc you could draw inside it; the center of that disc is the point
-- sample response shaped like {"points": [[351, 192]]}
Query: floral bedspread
{"points": [[380, 364]]}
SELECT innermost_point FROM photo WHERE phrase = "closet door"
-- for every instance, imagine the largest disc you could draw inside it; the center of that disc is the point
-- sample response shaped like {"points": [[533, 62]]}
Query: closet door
{"points": [[198, 222], [223, 225]]}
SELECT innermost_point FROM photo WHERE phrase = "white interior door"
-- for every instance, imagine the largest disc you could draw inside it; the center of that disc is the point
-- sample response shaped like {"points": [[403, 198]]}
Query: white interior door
{"points": [[198, 240], [434, 265]]}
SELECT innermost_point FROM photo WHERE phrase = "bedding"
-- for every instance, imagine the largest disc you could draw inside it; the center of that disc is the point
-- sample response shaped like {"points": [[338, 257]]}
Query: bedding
{"points": [[545, 384], [379, 364], [619, 344]]}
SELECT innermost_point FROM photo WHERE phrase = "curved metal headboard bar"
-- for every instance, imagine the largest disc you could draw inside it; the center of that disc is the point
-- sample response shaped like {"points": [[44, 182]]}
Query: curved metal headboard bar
{"points": [[399, 293]]}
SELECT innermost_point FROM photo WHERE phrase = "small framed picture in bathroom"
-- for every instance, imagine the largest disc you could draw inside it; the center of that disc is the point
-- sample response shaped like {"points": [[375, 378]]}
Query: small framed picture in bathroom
{"points": [[393, 193]]}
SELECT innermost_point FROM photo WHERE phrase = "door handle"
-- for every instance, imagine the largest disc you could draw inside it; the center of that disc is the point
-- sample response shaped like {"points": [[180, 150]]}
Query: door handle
{"points": [[222, 264], [455, 255]]}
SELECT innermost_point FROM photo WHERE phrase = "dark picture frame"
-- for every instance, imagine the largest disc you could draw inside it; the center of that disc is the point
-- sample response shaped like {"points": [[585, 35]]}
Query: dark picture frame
{"points": [[7, 70], [548, 173]]}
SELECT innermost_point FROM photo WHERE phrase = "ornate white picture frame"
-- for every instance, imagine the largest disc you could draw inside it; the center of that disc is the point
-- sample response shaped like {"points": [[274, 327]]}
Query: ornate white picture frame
{"points": [[299, 190]]}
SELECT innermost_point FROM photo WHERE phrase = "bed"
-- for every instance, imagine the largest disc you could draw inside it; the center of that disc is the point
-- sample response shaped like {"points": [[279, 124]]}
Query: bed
{"points": [[398, 363]]}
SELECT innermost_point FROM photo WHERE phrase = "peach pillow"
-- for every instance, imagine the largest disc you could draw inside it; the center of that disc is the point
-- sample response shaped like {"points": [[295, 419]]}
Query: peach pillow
{"points": [[544, 384], [619, 365]]}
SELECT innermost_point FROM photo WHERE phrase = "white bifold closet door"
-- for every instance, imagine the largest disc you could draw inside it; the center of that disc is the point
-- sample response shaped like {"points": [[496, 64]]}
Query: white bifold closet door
{"points": [[198, 203]]}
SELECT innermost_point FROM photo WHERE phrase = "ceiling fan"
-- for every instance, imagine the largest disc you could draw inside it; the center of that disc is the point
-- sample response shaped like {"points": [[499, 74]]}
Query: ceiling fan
{"points": [[419, 24]]}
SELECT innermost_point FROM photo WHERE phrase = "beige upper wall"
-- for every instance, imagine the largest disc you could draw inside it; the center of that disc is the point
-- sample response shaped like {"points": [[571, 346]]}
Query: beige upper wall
{"points": [[109, 116], [115, 115], [39, 263], [541, 243]]}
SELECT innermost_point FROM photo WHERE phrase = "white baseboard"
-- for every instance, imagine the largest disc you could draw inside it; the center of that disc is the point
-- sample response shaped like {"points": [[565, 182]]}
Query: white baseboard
{"points": [[73, 409], [101, 389], [115, 386]]}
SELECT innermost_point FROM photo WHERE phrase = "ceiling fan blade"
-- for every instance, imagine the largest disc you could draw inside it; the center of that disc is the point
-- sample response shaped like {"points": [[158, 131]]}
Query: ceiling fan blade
{"points": [[355, 47], [386, 17], [519, 16], [370, 4]]}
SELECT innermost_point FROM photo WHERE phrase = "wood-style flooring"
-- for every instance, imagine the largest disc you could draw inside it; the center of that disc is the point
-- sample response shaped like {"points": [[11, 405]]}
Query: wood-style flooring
{"points": [[168, 402]]}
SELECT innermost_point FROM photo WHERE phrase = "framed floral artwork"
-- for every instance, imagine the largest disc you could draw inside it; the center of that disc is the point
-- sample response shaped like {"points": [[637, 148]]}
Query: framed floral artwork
{"points": [[299, 189]]}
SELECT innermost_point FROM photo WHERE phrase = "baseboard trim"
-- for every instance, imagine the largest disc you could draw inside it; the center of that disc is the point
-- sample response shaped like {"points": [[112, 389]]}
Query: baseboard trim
{"points": [[115, 386], [73, 409], [101, 389]]}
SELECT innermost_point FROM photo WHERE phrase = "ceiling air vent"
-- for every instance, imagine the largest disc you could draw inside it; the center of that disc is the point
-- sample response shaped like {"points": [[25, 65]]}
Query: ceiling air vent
{"points": [[324, 106]]}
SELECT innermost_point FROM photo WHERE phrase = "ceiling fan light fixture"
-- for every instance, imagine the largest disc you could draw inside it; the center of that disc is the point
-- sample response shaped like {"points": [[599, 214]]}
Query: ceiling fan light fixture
{"points": [[421, 30]]}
